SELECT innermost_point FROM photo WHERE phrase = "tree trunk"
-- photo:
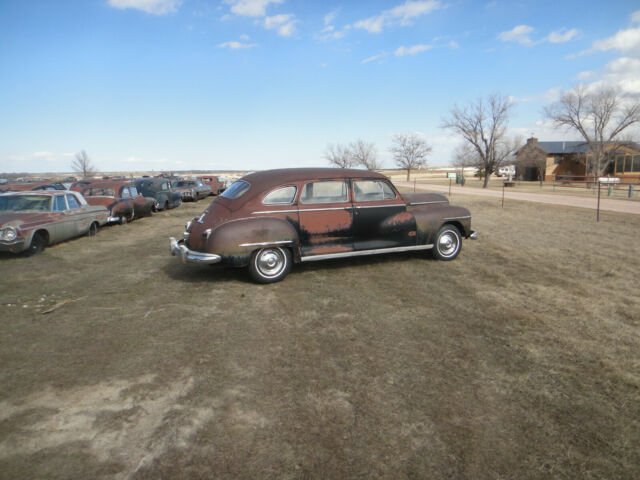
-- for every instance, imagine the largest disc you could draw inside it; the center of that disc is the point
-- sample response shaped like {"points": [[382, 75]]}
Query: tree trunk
{"points": [[486, 180], [408, 173]]}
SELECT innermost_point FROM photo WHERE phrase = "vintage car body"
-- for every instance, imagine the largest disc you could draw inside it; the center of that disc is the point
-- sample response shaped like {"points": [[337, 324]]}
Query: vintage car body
{"points": [[29, 221], [192, 190], [269, 219], [121, 198], [216, 184], [26, 186], [160, 189]]}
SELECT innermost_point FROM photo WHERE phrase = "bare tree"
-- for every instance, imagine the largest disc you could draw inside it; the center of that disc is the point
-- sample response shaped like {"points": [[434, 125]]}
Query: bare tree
{"points": [[410, 151], [483, 125], [339, 155], [82, 165], [464, 156], [364, 154], [599, 116]]}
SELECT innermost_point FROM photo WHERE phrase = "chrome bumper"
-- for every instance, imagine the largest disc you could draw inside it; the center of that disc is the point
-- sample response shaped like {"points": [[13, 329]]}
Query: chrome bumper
{"points": [[189, 256], [113, 219], [474, 235]]}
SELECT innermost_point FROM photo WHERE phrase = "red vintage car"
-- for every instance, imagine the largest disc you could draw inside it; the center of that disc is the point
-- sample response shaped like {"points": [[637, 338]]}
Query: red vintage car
{"points": [[121, 198], [271, 219], [29, 221]]}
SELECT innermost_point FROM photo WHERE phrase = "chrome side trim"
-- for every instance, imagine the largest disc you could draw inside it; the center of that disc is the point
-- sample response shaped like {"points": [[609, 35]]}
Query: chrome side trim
{"points": [[273, 211], [381, 206], [457, 218], [265, 244], [428, 203], [360, 253], [350, 207]]}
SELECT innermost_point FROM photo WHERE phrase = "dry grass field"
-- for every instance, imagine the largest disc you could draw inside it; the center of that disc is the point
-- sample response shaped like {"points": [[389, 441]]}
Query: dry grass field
{"points": [[519, 360]]}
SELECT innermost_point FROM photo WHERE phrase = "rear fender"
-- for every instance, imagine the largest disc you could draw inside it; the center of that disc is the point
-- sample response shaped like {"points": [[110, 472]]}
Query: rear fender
{"points": [[236, 240]]}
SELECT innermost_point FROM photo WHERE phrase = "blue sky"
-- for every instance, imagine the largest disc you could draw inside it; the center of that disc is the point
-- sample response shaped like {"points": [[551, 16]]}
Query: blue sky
{"points": [[252, 84]]}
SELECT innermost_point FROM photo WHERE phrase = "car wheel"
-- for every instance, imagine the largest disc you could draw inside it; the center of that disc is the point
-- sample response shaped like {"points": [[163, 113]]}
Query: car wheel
{"points": [[93, 229], [38, 242], [194, 195], [447, 243], [269, 265], [123, 219]]}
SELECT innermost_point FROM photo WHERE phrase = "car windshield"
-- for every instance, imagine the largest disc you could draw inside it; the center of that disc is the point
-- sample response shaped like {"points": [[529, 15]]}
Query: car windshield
{"points": [[236, 190], [25, 203]]}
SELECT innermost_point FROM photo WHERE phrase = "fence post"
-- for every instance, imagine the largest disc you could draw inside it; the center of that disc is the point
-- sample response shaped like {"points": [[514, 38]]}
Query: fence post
{"points": [[630, 191], [449, 187], [503, 195], [598, 210]]}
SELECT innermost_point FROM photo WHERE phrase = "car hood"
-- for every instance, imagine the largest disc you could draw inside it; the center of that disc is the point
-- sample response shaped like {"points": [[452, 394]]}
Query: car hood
{"points": [[15, 219]]}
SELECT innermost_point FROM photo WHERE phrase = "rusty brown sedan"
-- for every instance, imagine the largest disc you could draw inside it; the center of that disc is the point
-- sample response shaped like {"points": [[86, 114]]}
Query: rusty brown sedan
{"points": [[268, 220]]}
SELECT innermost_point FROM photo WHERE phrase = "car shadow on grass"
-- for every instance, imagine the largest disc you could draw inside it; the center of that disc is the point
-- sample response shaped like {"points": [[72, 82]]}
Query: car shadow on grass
{"points": [[194, 273]]}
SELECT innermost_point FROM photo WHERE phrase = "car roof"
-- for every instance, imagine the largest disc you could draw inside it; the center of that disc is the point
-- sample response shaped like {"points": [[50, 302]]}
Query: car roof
{"points": [[109, 184], [37, 192], [268, 178]]}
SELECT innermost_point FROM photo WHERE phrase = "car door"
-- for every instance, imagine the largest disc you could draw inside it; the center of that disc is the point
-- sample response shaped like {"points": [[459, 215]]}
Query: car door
{"points": [[61, 224], [140, 208], [380, 218], [79, 218], [325, 212]]}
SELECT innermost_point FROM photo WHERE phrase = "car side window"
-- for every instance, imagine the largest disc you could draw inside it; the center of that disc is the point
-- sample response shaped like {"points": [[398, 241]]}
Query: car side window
{"points": [[284, 195], [165, 186], [59, 205], [134, 191], [125, 193], [73, 202], [372, 190], [325, 191]]}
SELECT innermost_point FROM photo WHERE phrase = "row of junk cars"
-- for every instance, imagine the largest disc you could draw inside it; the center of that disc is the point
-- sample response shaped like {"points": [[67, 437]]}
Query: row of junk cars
{"points": [[34, 214]]}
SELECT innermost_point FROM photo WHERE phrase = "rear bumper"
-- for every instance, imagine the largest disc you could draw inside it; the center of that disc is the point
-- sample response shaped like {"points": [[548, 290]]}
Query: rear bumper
{"points": [[473, 235], [178, 248]]}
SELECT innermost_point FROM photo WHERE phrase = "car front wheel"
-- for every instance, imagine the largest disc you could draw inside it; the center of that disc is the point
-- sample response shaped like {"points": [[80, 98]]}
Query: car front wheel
{"points": [[447, 243], [269, 265]]}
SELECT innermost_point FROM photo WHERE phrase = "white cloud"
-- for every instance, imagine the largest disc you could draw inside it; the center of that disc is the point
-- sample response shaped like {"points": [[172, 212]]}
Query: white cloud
{"points": [[233, 45], [251, 8], [562, 35], [155, 7], [635, 16], [585, 74], [283, 23], [244, 37], [625, 41], [519, 34], [374, 58], [414, 50], [522, 34], [399, 15]]}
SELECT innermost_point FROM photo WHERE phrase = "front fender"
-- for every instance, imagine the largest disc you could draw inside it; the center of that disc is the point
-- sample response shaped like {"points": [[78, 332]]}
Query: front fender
{"points": [[429, 221], [236, 240]]}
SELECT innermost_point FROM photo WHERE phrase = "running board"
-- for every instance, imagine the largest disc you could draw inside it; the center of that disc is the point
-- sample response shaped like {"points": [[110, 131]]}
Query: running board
{"points": [[360, 253]]}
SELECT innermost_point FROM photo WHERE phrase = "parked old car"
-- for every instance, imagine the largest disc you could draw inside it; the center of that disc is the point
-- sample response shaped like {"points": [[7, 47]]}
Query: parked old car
{"points": [[160, 189], [192, 190], [214, 182], [35, 186], [268, 220], [121, 198], [29, 221]]}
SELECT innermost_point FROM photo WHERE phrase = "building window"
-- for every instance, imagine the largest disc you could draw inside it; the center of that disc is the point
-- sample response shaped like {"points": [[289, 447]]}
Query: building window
{"points": [[627, 163], [557, 160], [619, 164], [636, 163]]}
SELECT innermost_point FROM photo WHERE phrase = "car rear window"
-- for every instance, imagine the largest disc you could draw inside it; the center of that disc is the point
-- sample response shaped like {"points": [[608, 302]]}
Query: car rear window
{"points": [[236, 190]]}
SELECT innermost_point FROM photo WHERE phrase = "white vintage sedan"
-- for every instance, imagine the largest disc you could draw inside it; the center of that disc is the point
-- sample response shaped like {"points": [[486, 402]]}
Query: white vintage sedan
{"points": [[29, 221]]}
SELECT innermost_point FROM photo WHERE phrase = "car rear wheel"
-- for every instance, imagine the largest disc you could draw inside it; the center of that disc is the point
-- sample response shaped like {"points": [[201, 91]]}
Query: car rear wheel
{"points": [[93, 229], [447, 243], [194, 195], [269, 265], [38, 242]]}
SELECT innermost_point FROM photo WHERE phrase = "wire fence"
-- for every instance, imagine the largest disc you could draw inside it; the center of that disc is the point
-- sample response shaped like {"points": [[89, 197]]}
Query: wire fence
{"points": [[613, 187]]}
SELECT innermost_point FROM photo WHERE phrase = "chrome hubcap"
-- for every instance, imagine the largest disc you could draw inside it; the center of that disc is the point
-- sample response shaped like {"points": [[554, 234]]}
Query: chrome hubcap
{"points": [[270, 262], [448, 244]]}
